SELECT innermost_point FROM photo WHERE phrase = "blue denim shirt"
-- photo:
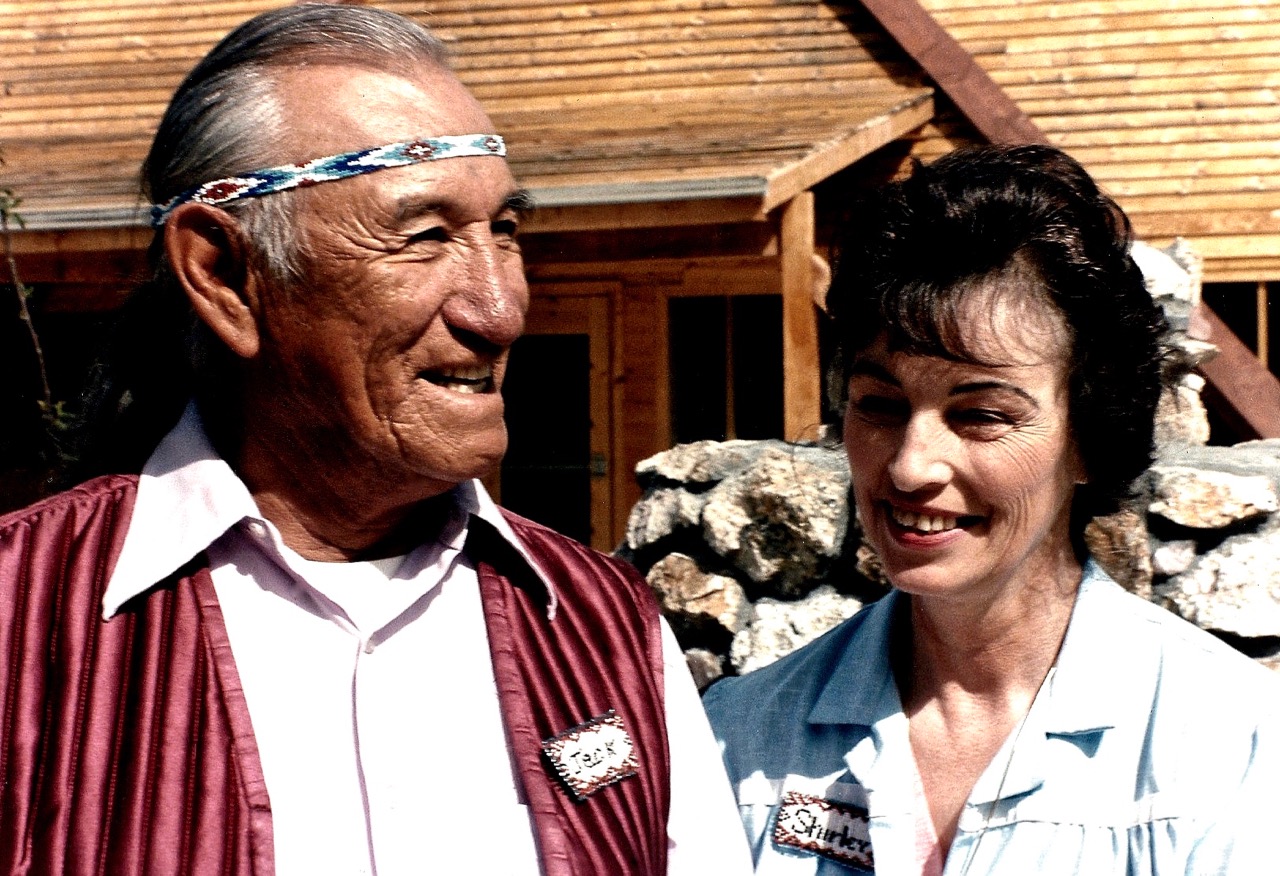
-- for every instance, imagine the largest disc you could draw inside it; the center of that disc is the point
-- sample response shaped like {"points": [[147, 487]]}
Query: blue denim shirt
{"points": [[1152, 749]]}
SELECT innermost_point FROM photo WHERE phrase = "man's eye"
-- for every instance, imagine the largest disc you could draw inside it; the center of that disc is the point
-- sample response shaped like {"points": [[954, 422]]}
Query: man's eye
{"points": [[435, 234], [505, 228]]}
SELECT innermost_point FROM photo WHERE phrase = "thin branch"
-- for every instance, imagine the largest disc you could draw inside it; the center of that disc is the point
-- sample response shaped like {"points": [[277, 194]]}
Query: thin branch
{"points": [[7, 204]]}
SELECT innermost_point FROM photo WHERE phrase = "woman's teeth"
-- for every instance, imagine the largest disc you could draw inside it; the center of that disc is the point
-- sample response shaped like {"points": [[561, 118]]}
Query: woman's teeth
{"points": [[922, 522]]}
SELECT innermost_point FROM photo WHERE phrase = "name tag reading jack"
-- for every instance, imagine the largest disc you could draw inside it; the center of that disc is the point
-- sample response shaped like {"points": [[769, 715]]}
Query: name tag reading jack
{"points": [[592, 755], [833, 830]]}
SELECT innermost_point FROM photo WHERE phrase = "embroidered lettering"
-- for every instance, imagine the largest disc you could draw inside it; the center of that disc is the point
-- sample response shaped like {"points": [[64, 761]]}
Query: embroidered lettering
{"points": [[592, 755], [825, 827]]}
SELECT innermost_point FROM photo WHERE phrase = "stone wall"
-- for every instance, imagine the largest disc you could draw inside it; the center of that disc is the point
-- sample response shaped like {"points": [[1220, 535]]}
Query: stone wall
{"points": [[752, 550]]}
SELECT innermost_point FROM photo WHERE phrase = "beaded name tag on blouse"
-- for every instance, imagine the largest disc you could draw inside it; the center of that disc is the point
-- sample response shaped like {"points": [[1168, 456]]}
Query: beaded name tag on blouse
{"points": [[317, 170], [592, 755], [828, 828]]}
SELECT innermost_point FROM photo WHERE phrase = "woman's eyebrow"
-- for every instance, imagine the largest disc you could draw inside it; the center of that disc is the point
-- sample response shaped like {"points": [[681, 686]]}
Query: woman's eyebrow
{"points": [[985, 385], [868, 368]]}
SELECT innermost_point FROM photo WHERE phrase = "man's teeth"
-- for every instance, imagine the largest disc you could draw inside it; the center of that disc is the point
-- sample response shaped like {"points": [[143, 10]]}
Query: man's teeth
{"points": [[923, 522], [464, 380]]}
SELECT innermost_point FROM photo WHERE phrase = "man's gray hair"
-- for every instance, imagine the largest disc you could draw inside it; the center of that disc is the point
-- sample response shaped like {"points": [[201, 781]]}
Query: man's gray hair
{"points": [[223, 119]]}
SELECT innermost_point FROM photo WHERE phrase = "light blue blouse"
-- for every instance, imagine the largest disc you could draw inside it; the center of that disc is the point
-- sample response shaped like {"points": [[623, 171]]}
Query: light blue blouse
{"points": [[1153, 749]]}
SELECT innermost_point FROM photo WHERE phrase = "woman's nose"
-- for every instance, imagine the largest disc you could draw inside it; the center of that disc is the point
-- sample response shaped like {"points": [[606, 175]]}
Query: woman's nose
{"points": [[923, 458]]}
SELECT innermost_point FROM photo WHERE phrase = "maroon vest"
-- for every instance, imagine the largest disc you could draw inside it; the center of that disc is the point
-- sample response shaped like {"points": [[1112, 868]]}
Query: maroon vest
{"points": [[126, 746]]}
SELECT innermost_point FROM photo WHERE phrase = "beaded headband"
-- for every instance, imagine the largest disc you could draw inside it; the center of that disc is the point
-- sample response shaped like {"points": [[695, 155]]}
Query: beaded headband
{"points": [[331, 167]]}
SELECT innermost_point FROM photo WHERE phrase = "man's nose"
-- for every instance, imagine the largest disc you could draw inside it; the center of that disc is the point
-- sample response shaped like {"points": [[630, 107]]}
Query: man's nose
{"points": [[924, 457], [492, 294]]}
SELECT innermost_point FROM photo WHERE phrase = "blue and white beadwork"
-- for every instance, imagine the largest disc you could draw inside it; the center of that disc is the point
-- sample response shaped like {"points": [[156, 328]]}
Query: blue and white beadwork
{"points": [[331, 167]]}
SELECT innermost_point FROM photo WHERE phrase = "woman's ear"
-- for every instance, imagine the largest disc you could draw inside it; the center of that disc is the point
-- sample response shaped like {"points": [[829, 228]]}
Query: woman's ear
{"points": [[208, 254]]}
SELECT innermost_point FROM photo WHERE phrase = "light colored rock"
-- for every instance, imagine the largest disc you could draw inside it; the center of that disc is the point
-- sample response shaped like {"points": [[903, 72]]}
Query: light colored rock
{"points": [[683, 587], [661, 512], [699, 462], [1203, 499], [778, 627], [1173, 277], [779, 519], [1173, 557], [1233, 589], [1181, 414], [704, 666]]}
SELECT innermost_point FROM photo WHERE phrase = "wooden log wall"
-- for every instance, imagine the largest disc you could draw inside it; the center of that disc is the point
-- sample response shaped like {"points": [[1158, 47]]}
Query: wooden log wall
{"points": [[1174, 105]]}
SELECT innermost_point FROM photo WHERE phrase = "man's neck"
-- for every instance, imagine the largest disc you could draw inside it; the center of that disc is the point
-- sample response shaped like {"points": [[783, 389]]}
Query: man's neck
{"points": [[343, 534]]}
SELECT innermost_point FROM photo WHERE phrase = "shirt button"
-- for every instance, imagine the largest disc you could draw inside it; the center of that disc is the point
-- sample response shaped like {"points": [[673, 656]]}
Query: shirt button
{"points": [[258, 529]]}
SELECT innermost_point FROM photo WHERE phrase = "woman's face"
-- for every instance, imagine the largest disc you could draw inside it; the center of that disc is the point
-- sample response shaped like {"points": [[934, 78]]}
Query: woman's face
{"points": [[963, 473]]}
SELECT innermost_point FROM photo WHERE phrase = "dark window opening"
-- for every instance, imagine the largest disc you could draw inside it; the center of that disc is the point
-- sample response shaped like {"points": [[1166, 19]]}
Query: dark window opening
{"points": [[726, 367], [546, 473]]}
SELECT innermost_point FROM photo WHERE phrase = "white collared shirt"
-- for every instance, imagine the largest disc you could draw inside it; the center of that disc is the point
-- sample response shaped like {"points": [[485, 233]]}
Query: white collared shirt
{"points": [[377, 719]]}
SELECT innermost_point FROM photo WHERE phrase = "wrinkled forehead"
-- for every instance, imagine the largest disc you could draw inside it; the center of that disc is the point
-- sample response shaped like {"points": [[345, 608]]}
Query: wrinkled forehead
{"points": [[332, 108]]}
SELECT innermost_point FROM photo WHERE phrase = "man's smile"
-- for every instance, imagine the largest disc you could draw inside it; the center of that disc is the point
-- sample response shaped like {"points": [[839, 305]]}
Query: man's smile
{"points": [[469, 380]]}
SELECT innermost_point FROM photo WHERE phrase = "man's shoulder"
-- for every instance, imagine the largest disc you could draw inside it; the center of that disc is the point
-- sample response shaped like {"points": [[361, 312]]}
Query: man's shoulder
{"points": [[548, 545], [76, 507]]}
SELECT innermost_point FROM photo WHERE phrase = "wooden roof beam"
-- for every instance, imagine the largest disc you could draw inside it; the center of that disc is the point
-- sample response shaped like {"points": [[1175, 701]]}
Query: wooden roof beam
{"points": [[1245, 393], [975, 94]]}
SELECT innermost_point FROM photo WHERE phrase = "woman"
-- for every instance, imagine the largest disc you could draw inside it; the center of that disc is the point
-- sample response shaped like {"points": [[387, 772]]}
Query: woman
{"points": [[1007, 708]]}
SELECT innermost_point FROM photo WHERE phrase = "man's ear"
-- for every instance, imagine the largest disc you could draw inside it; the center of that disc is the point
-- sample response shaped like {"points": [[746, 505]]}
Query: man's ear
{"points": [[209, 255]]}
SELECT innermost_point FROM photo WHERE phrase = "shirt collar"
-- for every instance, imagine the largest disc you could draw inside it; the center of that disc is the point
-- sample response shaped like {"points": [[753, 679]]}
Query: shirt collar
{"points": [[1099, 638], [862, 690], [189, 496], [1102, 666]]}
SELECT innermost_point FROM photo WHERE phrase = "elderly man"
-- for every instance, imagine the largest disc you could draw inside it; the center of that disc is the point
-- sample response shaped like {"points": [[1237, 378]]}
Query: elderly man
{"points": [[304, 640]]}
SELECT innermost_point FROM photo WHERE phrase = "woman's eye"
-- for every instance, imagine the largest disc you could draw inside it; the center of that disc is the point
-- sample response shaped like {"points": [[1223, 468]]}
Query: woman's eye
{"points": [[982, 415], [982, 422], [879, 409]]}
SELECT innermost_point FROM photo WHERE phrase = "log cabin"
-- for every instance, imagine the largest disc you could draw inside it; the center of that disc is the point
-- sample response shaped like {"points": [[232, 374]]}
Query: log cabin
{"points": [[688, 159]]}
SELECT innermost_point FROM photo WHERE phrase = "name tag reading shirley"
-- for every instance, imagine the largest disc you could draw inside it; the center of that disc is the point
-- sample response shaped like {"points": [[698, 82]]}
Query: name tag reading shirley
{"points": [[824, 827], [592, 755]]}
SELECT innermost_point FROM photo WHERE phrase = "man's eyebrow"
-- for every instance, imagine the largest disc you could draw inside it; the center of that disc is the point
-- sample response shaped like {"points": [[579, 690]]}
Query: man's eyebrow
{"points": [[520, 201], [412, 206]]}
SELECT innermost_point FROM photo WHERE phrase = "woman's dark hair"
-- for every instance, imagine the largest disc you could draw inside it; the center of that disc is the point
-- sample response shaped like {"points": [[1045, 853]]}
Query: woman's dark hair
{"points": [[912, 250]]}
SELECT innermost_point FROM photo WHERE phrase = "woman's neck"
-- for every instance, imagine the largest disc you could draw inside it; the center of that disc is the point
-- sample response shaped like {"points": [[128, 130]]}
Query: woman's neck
{"points": [[997, 651]]}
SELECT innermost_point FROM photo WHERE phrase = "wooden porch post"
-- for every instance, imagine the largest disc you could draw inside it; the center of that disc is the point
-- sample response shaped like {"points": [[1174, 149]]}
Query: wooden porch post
{"points": [[801, 382]]}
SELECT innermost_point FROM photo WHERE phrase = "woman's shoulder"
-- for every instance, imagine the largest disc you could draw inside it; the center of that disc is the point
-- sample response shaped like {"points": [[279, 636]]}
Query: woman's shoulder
{"points": [[1194, 670], [850, 655]]}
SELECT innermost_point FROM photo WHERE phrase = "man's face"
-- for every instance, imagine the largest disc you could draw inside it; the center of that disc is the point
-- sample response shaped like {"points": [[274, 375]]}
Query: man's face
{"points": [[381, 371]]}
